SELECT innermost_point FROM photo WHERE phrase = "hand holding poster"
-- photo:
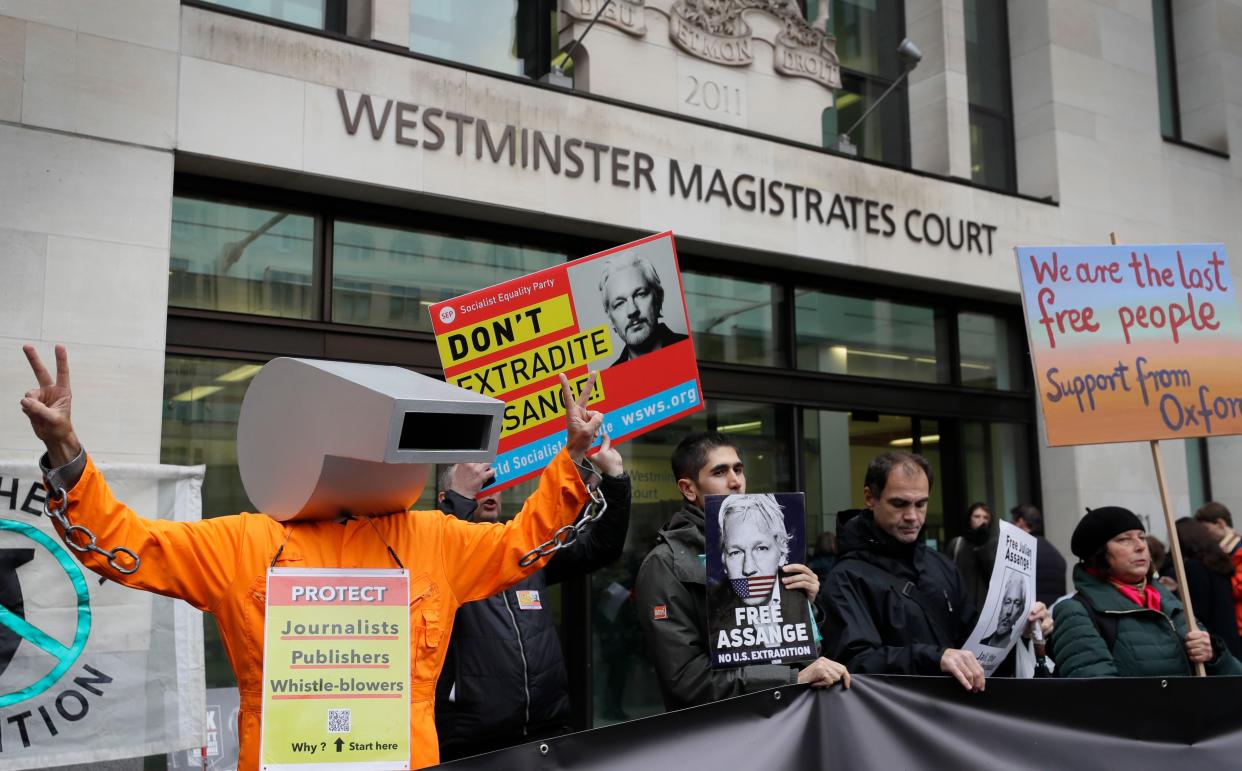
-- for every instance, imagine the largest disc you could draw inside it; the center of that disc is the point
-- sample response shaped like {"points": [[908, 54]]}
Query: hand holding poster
{"points": [[621, 311], [1011, 594], [752, 618], [1135, 342]]}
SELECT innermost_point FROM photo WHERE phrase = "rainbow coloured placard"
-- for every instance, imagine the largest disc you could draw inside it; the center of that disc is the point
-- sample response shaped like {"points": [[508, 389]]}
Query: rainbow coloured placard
{"points": [[1133, 342]]}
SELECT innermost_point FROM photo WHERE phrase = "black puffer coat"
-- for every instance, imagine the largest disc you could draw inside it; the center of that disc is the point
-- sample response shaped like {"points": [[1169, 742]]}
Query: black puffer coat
{"points": [[504, 679], [891, 607]]}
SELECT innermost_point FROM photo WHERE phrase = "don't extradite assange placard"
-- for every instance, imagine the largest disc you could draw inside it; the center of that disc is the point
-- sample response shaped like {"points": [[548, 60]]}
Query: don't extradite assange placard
{"points": [[1133, 342], [621, 313]]}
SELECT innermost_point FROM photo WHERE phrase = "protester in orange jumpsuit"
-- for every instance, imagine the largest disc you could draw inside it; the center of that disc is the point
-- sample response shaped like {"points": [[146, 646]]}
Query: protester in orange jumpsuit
{"points": [[220, 565]]}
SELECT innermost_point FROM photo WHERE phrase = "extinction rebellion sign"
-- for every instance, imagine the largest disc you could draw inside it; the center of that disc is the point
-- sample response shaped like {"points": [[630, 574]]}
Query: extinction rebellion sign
{"points": [[80, 656]]}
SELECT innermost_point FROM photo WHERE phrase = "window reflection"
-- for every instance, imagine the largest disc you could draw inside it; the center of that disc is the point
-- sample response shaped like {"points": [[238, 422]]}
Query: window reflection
{"points": [[997, 460], [308, 13], [987, 79], [243, 259], [988, 357], [512, 36], [734, 320], [387, 277], [868, 33], [866, 337]]}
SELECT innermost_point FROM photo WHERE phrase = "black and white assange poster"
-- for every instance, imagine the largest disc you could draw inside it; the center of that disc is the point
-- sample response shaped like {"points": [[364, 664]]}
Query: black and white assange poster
{"points": [[1011, 593]]}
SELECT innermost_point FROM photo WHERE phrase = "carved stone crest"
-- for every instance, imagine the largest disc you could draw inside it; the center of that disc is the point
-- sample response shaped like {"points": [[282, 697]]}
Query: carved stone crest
{"points": [[713, 30], [717, 31]]}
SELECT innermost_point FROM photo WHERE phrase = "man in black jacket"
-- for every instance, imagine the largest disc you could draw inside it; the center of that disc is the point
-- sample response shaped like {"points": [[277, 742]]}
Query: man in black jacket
{"points": [[671, 590], [891, 604], [504, 680]]}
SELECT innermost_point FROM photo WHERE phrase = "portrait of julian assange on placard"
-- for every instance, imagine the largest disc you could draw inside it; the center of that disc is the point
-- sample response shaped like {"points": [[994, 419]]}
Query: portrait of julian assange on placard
{"points": [[1010, 612], [752, 617], [637, 294]]}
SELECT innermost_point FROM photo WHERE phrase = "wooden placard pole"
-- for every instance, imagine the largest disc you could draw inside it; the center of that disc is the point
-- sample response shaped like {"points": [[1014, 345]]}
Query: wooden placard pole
{"points": [[1175, 547]]}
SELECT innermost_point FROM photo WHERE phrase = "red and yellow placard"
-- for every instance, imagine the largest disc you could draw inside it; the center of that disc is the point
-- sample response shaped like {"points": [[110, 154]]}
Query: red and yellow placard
{"points": [[1133, 342], [621, 313]]}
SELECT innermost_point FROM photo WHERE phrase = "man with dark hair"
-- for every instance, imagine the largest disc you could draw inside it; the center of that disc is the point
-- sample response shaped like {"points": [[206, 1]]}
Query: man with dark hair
{"points": [[504, 680], [892, 605], [1219, 522], [1050, 566], [671, 590]]}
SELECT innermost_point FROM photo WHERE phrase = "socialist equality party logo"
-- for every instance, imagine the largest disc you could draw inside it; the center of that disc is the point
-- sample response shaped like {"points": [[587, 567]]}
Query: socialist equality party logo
{"points": [[16, 630]]}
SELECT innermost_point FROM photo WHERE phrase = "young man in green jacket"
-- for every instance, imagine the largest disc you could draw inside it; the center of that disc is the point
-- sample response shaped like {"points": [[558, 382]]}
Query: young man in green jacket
{"points": [[1120, 624]]}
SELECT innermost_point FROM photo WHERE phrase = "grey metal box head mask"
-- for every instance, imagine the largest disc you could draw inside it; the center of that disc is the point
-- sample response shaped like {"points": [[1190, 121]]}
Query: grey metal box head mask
{"points": [[318, 439]]}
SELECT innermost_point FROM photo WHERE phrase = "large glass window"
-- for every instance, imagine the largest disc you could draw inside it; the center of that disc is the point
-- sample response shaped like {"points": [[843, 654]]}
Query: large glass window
{"points": [[987, 79], [1166, 69], [868, 33], [989, 352], [997, 459], [733, 320], [386, 277], [1198, 473], [243, 259], [625, 685], [321, 14], [513, 36], [867, 337]]}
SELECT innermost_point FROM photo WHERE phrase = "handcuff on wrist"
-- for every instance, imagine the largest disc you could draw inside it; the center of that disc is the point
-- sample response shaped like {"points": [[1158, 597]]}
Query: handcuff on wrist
{"points": [[566, 535]]}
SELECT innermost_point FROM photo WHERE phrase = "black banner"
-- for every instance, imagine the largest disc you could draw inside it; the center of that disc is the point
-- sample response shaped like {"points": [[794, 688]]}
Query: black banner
{"points": [[893, 722]]}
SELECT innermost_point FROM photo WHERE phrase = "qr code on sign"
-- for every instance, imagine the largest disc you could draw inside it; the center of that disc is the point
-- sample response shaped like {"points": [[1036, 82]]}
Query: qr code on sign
{"points": [[338, 721]]}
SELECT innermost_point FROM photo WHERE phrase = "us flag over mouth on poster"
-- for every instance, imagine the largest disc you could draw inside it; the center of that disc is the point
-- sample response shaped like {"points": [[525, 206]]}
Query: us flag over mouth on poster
{"points": [[751, 617], [755, 587]]}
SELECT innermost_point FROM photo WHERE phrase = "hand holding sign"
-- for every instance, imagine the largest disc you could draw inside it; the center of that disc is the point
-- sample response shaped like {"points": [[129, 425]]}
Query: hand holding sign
{"points": [[1199, 647], [48, 407], [608, 460], [1039, 615], [800, 578], [581, 424]]}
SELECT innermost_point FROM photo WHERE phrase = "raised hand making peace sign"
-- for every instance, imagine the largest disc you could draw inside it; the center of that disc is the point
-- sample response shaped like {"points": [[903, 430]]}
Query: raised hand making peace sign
{"points": [[581, 424], [48, 407]]}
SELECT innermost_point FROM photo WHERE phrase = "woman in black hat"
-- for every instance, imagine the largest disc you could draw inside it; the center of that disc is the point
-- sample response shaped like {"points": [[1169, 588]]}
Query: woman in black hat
{"points": [[1118, 623]]}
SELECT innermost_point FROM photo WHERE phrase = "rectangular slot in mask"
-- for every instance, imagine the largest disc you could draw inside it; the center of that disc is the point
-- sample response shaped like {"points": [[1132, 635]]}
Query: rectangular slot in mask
{"points": [[444, 431]]}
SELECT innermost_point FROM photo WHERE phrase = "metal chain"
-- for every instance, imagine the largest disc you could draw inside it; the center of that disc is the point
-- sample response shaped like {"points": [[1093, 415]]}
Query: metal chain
{"points": [[71, 533], [569, 533]]}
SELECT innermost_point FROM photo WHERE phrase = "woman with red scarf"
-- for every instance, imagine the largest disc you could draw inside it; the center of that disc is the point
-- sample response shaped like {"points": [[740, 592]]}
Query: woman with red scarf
{"points": [[1118, 623]]}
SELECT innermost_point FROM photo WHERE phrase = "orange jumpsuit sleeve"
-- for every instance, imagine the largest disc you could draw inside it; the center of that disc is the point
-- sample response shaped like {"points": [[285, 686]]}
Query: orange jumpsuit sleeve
{"points": [[482, 559], [192, 561]]}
